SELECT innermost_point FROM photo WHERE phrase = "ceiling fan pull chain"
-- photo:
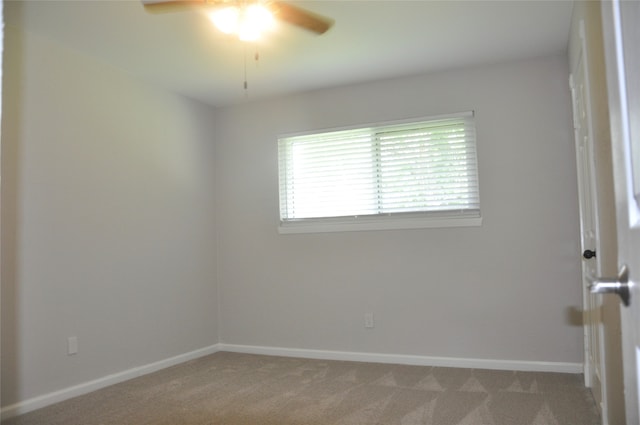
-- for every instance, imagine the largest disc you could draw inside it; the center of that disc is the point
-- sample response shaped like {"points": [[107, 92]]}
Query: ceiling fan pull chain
{"points": [[256, 58], [246, 85]]}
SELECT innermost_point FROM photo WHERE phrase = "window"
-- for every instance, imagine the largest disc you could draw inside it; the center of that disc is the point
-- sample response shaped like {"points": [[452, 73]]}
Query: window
{"points": [[398, 175]]}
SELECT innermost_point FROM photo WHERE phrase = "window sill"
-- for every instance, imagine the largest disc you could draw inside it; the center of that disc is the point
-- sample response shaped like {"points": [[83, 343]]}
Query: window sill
{"points": [[353, 224]]}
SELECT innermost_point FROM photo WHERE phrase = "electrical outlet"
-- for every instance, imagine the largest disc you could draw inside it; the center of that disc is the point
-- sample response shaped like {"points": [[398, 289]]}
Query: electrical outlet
{"points": [[368, 320], [72, 345]]}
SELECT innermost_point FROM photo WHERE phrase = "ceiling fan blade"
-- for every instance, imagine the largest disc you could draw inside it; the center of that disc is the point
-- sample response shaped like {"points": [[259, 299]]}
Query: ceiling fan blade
{"points": [[171, 6], [301, 17]]}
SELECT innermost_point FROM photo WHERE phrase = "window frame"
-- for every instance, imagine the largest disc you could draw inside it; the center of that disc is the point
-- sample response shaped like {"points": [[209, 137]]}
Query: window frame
{"points": [[381, 221]]}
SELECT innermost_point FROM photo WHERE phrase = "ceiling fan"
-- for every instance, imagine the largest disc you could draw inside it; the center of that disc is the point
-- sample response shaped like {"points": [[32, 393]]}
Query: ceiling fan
{"points": [[246, 18]]}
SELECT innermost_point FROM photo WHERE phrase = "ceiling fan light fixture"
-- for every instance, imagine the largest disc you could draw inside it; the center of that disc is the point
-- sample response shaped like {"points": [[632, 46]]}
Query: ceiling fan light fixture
{"points": [[247, 21], [226, 19], [259, 15]]}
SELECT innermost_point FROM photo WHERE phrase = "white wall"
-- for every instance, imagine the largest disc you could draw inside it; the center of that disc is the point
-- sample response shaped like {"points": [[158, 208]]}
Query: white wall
{"points": [[108, 221], [500, 291]]}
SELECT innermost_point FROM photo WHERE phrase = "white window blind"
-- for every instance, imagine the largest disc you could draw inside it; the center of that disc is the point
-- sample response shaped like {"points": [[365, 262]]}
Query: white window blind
{"points": [[419, 168]]}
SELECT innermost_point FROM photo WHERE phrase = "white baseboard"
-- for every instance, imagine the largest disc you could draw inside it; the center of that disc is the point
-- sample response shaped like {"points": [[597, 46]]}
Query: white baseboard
{"points": [[518, 365], [87, 387]]}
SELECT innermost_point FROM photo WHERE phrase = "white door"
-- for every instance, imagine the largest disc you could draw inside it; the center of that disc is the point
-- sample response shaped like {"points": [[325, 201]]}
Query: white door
{"points": [[621, 25], [592, 303]]}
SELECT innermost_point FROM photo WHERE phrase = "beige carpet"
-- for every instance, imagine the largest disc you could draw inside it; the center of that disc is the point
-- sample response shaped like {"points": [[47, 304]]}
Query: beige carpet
{"points": [[234, 389]]}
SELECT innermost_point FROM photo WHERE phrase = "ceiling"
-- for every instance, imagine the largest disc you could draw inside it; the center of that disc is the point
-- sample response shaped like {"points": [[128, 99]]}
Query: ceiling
{"points": [[371, 40]]}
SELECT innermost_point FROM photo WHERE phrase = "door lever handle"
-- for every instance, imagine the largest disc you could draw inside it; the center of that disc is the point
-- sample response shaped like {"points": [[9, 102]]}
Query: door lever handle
{"points": [[618, 285]]}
